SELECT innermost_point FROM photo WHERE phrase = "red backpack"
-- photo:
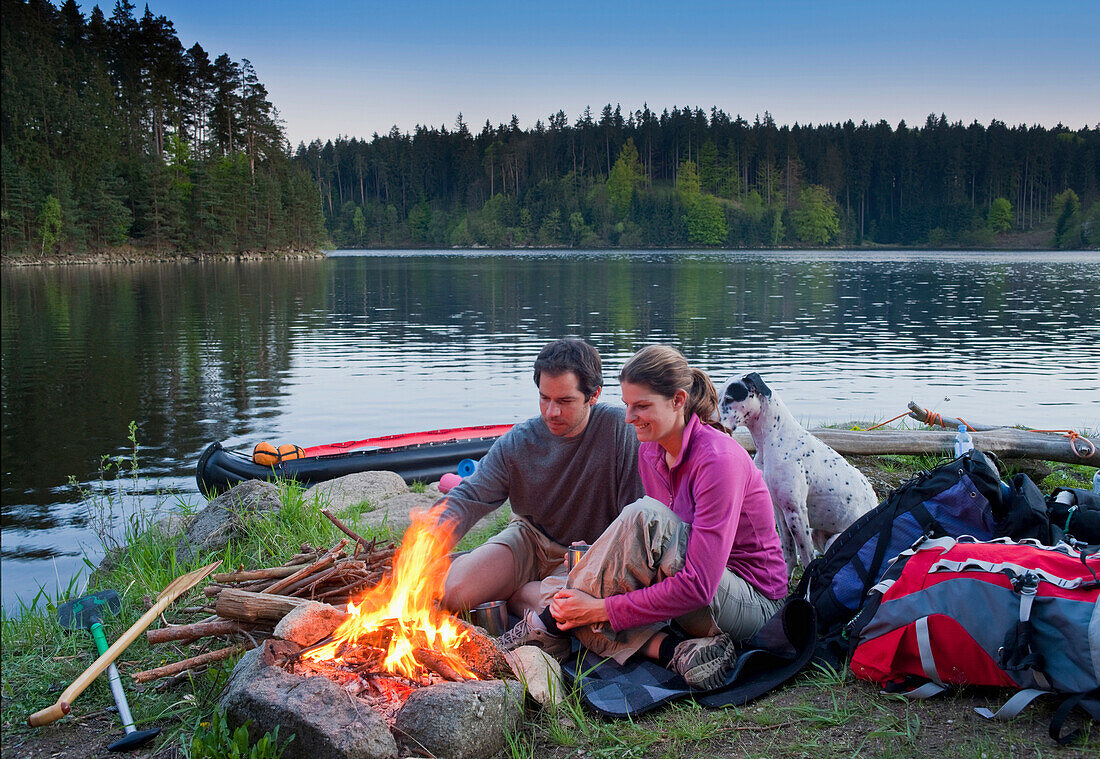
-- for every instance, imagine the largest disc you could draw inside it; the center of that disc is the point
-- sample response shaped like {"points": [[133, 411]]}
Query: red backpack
{"points": [[1018, 615]]}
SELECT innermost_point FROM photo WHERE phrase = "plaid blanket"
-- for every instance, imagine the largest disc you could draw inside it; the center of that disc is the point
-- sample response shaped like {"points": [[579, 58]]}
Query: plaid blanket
{"points": [[771, 657]]}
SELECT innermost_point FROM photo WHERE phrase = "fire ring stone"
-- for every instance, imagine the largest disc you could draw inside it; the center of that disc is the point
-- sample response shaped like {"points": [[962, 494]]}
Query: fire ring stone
{"points": [[326, 721], [461, 720]]}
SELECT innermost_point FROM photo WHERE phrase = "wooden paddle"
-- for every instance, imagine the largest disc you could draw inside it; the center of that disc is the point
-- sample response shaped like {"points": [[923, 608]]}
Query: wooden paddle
{"points": [[178, 587]]}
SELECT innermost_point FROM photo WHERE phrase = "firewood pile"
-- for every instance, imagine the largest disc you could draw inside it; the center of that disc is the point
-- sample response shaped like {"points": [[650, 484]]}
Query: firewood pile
{"points": [[243, 606]]}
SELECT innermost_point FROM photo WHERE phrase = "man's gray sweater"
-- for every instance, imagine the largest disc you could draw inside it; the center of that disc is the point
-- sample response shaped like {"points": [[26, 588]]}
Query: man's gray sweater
{"points": [[569, 488]]}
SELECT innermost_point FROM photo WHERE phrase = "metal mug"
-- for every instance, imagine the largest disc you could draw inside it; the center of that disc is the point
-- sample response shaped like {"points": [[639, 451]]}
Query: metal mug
{"points": [[492, 615], [573, 554]]}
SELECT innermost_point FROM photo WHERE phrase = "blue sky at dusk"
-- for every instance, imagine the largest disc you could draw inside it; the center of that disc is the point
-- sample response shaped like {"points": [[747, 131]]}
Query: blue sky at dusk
{"points": [[355, 68]]}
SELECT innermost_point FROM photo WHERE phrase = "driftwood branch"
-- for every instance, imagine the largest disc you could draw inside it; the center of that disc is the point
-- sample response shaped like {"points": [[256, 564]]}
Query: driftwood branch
{"points": [[932, 419], [1005, 442]]}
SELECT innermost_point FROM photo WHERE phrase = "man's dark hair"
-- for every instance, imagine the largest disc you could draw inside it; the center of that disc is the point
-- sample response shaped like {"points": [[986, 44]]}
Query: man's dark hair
{"points": [[571, 354]]}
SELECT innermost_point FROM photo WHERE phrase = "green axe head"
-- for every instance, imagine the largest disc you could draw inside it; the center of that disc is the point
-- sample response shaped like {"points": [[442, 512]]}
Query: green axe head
{"points": [[82, 613]]}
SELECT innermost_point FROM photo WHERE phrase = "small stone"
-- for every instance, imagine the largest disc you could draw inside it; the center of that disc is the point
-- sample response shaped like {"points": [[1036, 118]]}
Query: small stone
{"points": [[309, 623], [465, 720], [539, 673]]}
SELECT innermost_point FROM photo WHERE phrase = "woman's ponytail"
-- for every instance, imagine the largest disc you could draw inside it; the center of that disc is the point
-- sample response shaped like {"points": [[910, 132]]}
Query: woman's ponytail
{"points": [[665, 370]]}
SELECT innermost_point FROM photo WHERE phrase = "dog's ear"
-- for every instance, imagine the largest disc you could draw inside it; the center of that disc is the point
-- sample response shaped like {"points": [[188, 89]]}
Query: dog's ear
{"points": [[754, 382], [736, 391]]}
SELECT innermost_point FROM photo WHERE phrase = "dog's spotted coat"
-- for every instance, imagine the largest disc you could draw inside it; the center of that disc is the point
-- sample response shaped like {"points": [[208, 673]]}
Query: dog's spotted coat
{"points": [[816, 493]]}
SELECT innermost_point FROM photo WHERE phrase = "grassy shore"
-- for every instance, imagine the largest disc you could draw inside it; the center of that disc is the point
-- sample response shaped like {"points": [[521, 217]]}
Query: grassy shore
{"points": [[821, 714]]}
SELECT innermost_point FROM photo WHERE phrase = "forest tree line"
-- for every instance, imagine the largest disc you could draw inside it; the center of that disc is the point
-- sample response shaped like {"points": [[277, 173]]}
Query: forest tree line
{"points": [[113, 134], [685, 177]]}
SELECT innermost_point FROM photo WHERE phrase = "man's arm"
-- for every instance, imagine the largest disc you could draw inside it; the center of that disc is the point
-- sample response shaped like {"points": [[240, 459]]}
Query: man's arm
{"points": [[480, 493]]}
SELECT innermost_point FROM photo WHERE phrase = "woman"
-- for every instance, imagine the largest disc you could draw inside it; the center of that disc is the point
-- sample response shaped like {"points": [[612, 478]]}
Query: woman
{"points": [[701, 548]]}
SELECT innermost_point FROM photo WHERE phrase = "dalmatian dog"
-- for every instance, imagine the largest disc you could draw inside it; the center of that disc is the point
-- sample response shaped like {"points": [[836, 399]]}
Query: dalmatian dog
{"points": [[816, 493]]}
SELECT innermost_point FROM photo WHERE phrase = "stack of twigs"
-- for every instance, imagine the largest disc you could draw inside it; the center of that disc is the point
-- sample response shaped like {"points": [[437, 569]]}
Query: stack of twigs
{"points": [[245, 605]]}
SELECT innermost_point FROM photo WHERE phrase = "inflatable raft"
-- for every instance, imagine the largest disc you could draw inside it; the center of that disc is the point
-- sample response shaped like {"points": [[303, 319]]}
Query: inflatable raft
{"points": [[423, 456]]}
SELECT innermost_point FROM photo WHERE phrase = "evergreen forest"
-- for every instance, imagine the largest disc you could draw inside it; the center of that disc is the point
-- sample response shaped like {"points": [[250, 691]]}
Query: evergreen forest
{"points": [[685, 177], [114, 135]]}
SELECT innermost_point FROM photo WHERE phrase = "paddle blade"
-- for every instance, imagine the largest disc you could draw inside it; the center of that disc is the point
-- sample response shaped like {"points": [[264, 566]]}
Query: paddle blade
{"points": [[80, 613], [184, 583]]}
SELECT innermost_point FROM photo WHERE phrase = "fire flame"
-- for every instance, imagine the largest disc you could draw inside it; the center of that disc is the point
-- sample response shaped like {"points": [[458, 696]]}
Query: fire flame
{"points": [[405, 603]]}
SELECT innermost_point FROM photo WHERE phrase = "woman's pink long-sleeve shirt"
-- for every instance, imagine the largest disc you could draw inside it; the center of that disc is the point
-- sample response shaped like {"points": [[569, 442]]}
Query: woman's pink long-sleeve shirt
{"points": [[713, 486]]}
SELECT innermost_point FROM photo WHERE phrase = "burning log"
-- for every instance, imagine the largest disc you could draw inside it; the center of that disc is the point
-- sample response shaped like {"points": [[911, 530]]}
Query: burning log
{"points": [[481, 653], [188, 633], [202, 660], [445, 665]]}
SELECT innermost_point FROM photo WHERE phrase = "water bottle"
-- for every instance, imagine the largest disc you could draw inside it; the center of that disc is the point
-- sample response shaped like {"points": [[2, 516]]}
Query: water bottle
{"points": [[963, 442]]}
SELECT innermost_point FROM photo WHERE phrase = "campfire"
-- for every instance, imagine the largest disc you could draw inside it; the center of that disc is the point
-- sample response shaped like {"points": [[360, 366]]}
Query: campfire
{"points": [[396, 638]]}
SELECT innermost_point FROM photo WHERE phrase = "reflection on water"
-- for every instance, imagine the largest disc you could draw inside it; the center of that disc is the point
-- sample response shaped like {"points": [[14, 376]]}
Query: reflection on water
{"points": [[364, 344]]}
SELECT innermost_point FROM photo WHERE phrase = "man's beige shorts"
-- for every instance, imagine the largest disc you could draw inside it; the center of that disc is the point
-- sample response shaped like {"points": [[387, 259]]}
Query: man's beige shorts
{"points": [[537, 557]]}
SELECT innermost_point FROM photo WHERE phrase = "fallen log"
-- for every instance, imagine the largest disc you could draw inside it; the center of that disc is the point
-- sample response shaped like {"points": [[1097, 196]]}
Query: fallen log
{"points": [[201, 660], [1005, 442], [260, 608], [188, 633]]}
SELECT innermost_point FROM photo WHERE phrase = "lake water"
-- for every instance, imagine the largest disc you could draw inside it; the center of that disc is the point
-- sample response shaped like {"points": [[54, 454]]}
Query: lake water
{"points": [[368, 343]]}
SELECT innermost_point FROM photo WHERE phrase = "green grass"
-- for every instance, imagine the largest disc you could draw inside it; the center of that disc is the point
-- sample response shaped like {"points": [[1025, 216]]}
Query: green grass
{"points": [[824, 713], [40, 659]]}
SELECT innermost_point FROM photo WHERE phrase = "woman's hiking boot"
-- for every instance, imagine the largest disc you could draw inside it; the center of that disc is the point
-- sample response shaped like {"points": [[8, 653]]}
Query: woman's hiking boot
{"points": [[704, 663], [528, 632]]}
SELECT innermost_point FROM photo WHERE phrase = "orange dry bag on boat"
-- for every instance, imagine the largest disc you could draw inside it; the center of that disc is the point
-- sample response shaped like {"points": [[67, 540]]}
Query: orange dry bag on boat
{"points": [[265, 454]]}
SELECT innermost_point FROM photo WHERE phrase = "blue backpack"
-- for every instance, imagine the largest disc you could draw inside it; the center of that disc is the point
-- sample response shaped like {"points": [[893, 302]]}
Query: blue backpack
{"points": [[960, 497]]}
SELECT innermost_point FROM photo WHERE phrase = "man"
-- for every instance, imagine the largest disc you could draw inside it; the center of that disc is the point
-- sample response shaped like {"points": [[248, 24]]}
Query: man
{"points": [[567, 474]]}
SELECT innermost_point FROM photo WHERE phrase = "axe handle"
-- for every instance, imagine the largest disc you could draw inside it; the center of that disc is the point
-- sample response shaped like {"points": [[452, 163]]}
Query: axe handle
{"points": [[53, 713], [113, 678]]}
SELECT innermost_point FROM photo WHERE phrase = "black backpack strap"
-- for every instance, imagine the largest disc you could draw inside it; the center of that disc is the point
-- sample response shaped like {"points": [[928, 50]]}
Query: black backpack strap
{"points": [[1089, 701]]}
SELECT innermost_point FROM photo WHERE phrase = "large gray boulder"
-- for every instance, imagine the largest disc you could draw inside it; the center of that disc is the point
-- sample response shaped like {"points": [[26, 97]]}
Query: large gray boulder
{"points": [[466, 720], [325, 720], [354, 489], [223, 518], [395, 512]]}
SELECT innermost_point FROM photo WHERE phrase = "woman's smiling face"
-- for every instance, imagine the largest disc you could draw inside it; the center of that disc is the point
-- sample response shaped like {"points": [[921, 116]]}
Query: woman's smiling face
{"points": [[655, 417]]}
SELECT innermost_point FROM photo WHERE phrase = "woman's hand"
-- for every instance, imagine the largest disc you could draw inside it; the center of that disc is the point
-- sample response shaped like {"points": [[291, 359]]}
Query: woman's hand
{"points": [[575, 608]]}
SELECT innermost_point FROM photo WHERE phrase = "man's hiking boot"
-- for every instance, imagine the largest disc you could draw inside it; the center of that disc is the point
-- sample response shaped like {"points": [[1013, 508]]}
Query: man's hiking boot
{"points": [[704, 662], [528, 633]]}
